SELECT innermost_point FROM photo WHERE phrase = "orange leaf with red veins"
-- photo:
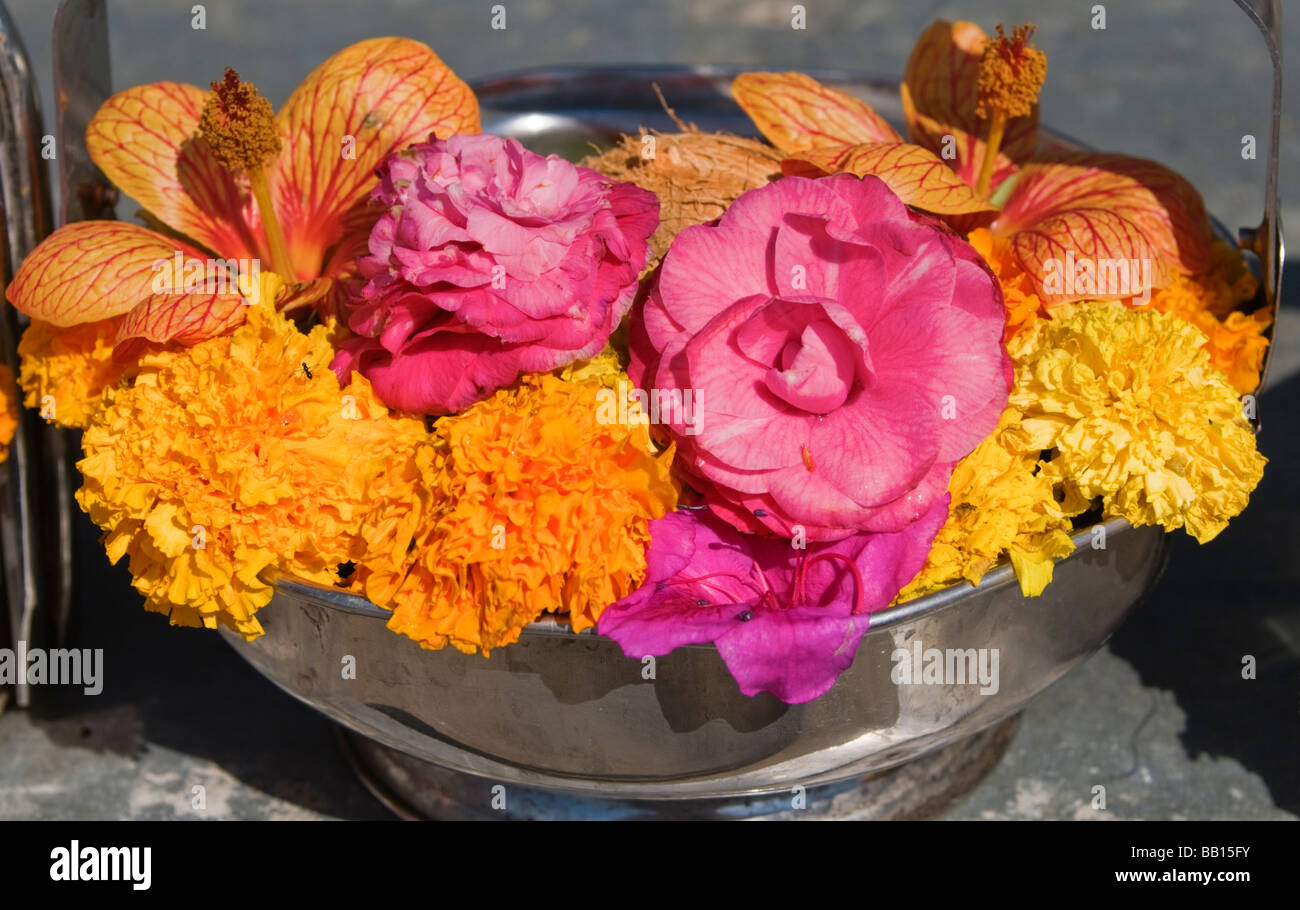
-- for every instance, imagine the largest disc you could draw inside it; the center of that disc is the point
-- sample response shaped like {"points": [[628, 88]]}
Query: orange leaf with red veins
{"points": [[1101, 241], [915, 174], [796, 113], [1105, 207], [146, 141], [364, 102], [90, 270], [183, 318], [940, 94]]}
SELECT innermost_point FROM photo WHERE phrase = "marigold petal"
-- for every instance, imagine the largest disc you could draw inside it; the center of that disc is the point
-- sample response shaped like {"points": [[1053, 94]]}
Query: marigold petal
{"points": [[528, 502], [1138, 416], [63, 371], [233, 456]]}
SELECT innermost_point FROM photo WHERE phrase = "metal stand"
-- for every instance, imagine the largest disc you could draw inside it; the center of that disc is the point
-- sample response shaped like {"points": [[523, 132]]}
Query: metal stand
{"points": [[35, 483], [920, 789]]}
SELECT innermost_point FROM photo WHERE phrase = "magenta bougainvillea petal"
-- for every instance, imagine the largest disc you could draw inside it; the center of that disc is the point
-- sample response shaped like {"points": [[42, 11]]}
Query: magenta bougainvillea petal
{"points": [[785, 619]]}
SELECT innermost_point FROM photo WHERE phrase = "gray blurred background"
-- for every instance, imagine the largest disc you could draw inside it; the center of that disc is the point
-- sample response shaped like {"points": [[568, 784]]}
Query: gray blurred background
{"points": [[1161, 716]]}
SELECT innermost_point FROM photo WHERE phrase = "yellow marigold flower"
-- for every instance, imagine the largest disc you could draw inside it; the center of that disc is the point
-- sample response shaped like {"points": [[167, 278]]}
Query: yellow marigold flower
{"points": [[1001, 505], [531, 504], [63, 371], [607, 367], [8, 411], [1136, 414], [1018, 291], [1209, 301], [233, 456]]}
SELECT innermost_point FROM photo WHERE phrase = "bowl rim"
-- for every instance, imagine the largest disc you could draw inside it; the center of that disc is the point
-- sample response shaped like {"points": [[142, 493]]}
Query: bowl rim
{"points": [[1000, 576]]}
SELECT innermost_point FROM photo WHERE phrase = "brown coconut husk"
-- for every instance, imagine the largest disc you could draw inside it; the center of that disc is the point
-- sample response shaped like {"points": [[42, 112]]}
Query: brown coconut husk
{"points": [[696, 175]]}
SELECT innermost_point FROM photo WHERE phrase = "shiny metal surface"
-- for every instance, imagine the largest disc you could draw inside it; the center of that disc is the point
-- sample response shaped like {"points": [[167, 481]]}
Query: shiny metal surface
{"points": [[570, 713], [82, 82], [1266, 240], [34, 492], [919, 789]]}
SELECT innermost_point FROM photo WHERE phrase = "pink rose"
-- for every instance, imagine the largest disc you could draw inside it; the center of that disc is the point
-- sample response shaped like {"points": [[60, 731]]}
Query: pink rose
{"points": [[490, 261], [844, 353]]}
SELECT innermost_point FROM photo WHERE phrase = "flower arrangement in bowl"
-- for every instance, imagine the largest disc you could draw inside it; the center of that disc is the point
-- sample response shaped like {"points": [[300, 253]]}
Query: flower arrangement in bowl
{"points": [[731, 393]]}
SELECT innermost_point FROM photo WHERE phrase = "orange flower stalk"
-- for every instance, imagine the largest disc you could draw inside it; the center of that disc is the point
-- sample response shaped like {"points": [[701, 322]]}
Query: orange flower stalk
{"points": [[1011, 75], [224, 181], [238, 127]]}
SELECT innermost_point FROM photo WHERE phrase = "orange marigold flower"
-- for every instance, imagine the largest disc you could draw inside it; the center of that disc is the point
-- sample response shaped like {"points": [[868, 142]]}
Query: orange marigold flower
{"points": [[1018, 291], [530, 501], [1209, 301], [233, 456], [8, 411], [63, 371]]}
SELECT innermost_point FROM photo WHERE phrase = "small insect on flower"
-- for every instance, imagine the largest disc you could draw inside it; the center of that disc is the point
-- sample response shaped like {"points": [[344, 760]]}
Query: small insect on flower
{"points": [[306, 370]]}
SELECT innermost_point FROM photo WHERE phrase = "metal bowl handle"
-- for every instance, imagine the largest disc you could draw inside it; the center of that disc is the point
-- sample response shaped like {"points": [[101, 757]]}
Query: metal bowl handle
{"points": [[1266, 240]]}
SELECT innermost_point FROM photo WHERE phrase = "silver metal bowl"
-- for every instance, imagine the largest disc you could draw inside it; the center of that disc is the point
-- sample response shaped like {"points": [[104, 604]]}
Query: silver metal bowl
{"points": [[570, 713]]}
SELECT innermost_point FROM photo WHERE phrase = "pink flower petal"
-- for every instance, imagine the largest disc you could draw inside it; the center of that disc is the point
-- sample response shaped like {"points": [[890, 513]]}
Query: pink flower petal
{"points": [[786, 621], [490, 260], [846, 350]]}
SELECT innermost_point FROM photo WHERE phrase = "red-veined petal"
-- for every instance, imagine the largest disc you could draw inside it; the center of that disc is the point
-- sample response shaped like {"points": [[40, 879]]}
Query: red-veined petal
{"points": [[940, 93], [916, 175], [146, 141], [183, 318], [797, 113], [352, 110], [90, 270], [1105, 207]]}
